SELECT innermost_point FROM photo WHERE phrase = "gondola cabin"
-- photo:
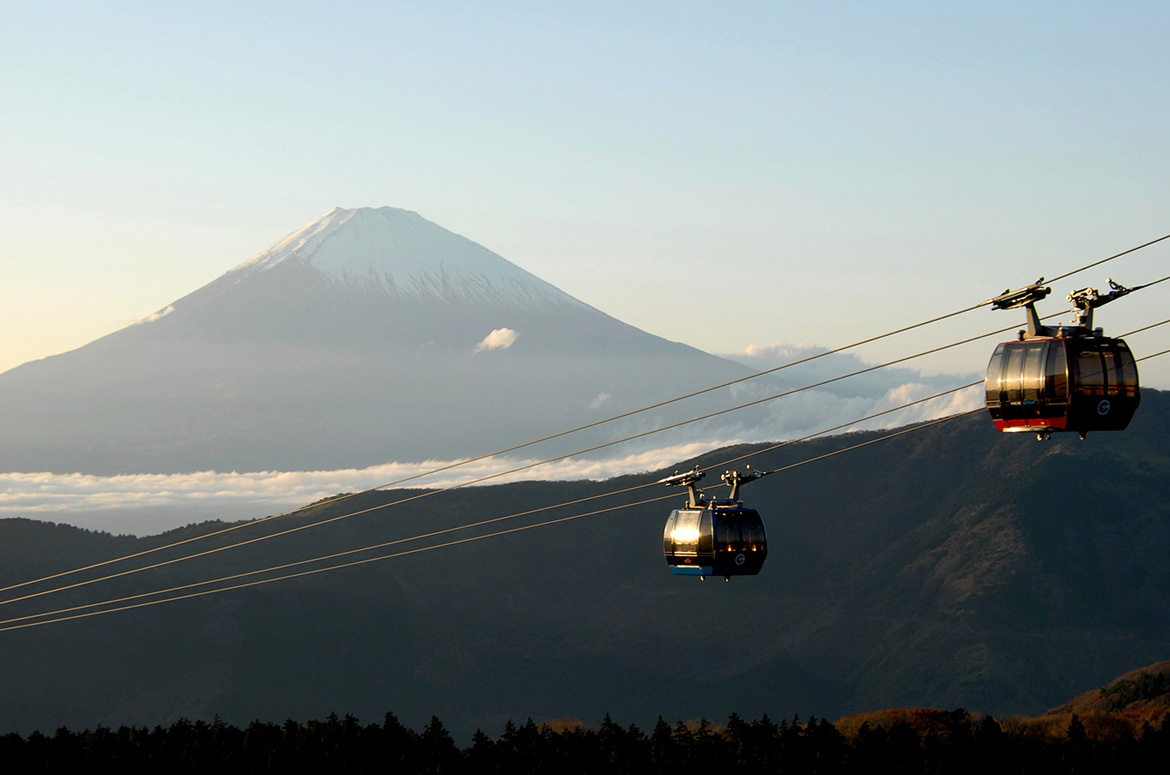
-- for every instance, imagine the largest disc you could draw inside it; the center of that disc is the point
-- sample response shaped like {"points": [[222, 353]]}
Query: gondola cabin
{"points": [[720, 538], [1076, 384], [1063, 378], [718, 541]]}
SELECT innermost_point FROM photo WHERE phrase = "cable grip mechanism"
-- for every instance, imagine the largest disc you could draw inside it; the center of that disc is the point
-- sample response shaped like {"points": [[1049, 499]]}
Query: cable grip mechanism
{"points": [[688, 479]]}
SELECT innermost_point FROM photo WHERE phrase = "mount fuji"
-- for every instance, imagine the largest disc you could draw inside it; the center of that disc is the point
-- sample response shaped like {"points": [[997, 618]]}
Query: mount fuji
{"points": [[370, 335]]}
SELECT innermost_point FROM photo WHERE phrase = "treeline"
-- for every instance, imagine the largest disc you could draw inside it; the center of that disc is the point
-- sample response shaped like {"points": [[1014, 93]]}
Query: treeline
{"points": [[919, 741], [1125, 691]]}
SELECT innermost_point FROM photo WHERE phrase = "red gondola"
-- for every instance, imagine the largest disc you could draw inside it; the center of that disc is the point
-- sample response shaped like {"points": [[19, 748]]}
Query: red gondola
{"points": [[1064, 378]]}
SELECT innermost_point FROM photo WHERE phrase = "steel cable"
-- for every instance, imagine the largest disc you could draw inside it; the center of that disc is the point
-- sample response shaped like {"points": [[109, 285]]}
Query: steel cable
{"points": [[543, 439]]}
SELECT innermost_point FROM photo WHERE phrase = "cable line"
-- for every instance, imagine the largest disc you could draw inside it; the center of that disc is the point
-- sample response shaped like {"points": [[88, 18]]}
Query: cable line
{"points": [[478, 480], [496, 475], [485, 456], [464, 527], [530, 512], [594, 424], [1105, 260], [489, 477], [354, 563], [351, 564], [1147, 328]]}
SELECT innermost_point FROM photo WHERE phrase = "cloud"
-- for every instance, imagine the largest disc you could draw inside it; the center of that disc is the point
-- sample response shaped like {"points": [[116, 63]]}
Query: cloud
{"points": [[151, 503], [839, 401], [499, 339], [813, 411], [776, 354], [146, 504], [162, 313]]}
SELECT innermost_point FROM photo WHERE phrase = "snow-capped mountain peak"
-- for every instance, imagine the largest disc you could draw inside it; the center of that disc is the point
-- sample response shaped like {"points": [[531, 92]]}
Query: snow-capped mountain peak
{"points": [[400, 253], [369, 335]]}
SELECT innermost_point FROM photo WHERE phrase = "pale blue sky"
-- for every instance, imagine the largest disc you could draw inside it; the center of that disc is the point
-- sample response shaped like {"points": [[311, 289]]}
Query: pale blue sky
{"points": [[723, 174]]}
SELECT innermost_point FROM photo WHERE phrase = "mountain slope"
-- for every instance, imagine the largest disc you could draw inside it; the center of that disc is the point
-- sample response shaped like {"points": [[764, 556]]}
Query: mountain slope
{"points": [[1144, 689], [401, 254], [369, 336], [949, 567]]}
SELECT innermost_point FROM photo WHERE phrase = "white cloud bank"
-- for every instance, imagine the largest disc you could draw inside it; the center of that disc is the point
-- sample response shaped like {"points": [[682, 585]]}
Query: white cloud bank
{"points": [[499, 339], [145, 504]]}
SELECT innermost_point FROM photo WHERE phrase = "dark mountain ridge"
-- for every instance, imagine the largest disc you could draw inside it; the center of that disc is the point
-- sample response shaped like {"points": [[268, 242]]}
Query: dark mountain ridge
{"points": [[949, 567]]}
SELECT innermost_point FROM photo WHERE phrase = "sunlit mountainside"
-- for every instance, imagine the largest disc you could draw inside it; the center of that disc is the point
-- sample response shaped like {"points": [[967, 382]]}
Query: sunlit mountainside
{"points": [[1142, 691], [948, 567]]}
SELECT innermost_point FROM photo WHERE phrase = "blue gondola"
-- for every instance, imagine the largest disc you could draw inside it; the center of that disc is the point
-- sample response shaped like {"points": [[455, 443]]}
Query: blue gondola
{"points": [[716, 538]]}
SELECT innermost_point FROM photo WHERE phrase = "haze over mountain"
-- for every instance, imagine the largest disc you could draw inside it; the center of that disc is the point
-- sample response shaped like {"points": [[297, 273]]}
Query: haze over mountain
{"points": [[368, 336]]}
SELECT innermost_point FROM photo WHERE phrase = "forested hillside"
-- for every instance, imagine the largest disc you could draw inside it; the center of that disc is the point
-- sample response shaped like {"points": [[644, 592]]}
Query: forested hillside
{"points": [[949, 567]]}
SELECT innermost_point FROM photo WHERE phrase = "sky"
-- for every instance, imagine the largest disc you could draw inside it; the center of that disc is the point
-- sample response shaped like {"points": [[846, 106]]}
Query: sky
{"points": [[722, 174], [741, 177]]}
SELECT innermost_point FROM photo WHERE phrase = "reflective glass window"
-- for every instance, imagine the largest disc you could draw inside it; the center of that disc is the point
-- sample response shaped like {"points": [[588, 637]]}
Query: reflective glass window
{"points": [[668, 534], [1090, 375], [993, 382], [1111, 370], [706, 534], [728, 536], [1127, 372], [1033, 371], [754, 538], [686, 532], [1120, 370], [740, 531], [1056, 373], [1012, 376]]}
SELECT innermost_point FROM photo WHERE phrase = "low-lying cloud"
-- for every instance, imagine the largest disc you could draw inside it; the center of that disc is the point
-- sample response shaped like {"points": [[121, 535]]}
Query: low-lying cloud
{"points": [[836, 402], [145, 504]]}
